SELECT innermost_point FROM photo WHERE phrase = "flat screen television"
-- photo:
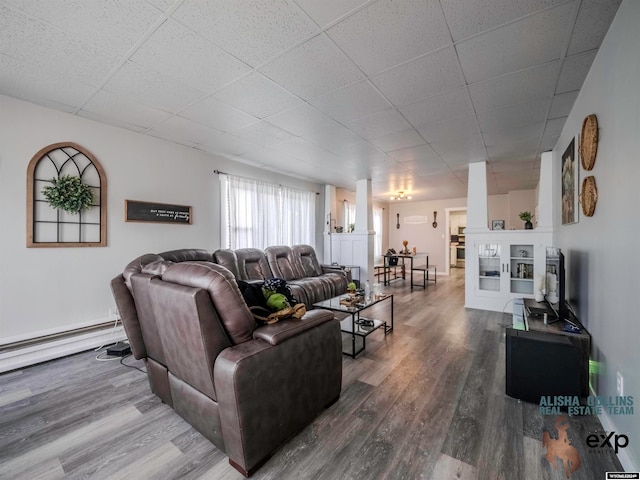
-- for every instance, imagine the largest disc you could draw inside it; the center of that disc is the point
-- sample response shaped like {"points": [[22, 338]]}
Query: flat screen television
{"points": [[555, 283]]}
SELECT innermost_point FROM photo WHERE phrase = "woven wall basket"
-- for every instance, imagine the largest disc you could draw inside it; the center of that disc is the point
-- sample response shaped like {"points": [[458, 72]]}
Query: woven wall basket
{"points": [[589, 141], [589, 196]]}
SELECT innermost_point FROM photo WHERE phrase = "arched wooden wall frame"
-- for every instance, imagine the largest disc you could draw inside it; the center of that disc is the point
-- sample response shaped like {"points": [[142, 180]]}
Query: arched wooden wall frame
{"points": [[31, 198]]}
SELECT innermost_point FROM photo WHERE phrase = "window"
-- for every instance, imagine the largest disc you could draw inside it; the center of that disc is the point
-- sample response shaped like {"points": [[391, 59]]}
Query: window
{"points": [[259, 214], [377, 227], [349, 215]]}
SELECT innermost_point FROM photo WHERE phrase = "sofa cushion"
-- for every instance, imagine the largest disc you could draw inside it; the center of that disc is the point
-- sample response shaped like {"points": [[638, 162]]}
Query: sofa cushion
{"points": [[186, 255], [228, 259], [308, 260], [223, 291], [253, 264], [135, 266], [284, 262]]}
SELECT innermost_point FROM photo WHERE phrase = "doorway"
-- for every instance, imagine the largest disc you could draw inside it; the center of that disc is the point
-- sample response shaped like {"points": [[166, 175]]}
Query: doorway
{"points": [[455, 224]]}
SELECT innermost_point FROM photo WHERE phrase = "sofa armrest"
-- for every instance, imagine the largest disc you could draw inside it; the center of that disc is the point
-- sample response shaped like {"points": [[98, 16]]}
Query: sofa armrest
{"points": [[267, 393], [285, 329], [337, 269]]}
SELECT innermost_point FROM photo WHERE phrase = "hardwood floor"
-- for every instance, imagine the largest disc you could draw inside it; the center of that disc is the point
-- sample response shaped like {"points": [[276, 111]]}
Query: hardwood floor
{"points": [[425, 402]]}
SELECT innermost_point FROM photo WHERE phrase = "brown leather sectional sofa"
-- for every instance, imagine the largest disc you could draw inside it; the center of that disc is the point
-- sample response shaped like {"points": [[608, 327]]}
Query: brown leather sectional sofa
{"points": [[247, 388]]}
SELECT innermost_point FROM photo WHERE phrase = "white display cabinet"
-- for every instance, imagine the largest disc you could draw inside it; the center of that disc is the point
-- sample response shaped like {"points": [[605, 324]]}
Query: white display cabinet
{"points": [[503, 265]]}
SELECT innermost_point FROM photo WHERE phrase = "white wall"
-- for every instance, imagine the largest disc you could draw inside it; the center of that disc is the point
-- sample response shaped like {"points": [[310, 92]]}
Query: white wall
{"points": [[602, 251], [508, 206], [423, 235], [50, 289]]}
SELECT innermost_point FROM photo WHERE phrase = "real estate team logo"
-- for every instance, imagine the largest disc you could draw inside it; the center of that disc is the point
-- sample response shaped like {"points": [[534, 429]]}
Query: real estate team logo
{"points": [[561, 449]]}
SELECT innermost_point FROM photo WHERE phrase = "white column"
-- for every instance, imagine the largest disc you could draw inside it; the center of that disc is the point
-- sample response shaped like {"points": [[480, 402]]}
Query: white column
{"points": [[364, 228], [364, 206], [545, 193], [477, 211], [329, 222]]}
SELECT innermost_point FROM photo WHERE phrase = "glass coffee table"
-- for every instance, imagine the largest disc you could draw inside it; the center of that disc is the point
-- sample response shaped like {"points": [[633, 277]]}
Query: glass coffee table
{"points": [[356, 325]]}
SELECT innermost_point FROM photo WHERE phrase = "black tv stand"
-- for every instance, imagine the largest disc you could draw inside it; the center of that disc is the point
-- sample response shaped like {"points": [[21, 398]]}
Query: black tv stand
{"points": [[543, 359]]}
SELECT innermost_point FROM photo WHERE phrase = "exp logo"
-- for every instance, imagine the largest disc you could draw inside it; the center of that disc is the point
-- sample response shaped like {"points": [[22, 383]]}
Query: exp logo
{"points": [[601, 440]]}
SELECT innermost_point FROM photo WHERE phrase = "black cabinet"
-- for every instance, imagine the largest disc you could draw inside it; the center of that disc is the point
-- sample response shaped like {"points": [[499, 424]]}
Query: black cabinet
{"points": [[545, 360]]}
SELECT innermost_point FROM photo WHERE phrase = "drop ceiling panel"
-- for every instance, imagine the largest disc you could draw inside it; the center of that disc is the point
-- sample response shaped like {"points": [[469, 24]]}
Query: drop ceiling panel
{"points": [[328, 11], [515, 46], [251, 31], [517, 150], [511, 167], [54, 52], [257, 96], [446, 106], [35, 83], [302, 120], [226, 144], [421, 153], [574, 71], [459, 153], [554, 126], [398, 140], [113, 107], [115, 26], [314, 68], [336, 139], [562, 104], [389, 32], [467, 18], [205, 67], [263, 134], [428, 75], [514, 116], [379, 124], [520, 87], [304, 151], [218, 115], [151, 88], [116, 122], [352, 102], [183, 130], [512, 134], [594, 18], [459, 129]]}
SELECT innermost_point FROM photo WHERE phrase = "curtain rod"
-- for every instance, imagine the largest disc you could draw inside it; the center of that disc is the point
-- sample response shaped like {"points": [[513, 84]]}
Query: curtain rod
{"points": [[218, 172]]}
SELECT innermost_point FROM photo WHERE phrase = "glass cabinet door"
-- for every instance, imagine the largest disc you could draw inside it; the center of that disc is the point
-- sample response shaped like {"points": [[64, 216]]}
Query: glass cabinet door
{"points": [[521, 269], [489, 267]]}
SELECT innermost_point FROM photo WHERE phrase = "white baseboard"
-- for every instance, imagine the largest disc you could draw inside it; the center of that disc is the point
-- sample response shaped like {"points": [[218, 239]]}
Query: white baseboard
{"points": [[609, 426], [42, 352], [623, 456]]}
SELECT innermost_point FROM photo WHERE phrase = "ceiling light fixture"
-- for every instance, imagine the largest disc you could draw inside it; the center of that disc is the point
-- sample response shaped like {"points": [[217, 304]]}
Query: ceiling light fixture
{"points": [[400, 196]]}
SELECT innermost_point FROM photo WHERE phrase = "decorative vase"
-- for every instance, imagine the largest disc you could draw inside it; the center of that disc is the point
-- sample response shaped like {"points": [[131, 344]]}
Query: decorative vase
{"points": [[528, 226]]}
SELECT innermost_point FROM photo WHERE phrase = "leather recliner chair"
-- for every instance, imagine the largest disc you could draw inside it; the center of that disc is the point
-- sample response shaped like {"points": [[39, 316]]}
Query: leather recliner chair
{"points": [[247, 388]]}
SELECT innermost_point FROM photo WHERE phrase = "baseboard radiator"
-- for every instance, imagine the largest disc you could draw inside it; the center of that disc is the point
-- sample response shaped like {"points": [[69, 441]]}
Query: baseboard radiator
{"points": [[41, 348]]}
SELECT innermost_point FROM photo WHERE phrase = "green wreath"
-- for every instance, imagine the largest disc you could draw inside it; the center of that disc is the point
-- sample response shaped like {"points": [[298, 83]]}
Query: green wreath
{"points": [[68, 193]]}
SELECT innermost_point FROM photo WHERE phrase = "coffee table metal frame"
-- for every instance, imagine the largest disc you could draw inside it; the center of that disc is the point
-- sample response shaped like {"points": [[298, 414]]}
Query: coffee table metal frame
{"points": [[352, 325]]}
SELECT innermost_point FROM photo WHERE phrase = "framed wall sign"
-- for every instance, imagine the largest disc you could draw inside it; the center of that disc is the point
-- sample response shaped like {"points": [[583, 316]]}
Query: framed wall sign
{"points": [[136, 211]]}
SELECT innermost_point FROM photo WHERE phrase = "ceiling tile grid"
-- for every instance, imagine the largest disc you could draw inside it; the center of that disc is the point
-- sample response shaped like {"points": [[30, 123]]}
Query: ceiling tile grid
{"points": [[389, 32], [312, 69], [183, 55], [405, 92], [428, 75]]}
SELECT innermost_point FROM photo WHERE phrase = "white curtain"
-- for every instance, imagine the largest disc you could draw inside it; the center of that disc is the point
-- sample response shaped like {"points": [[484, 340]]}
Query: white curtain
{"points": [[257, 214], [349, 214], [298, 217], [377, 227]]}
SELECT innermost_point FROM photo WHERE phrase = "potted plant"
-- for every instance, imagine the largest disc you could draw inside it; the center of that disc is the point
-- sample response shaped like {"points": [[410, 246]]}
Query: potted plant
{"points": [[526, 218], [351, 287], [68, 193]]}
